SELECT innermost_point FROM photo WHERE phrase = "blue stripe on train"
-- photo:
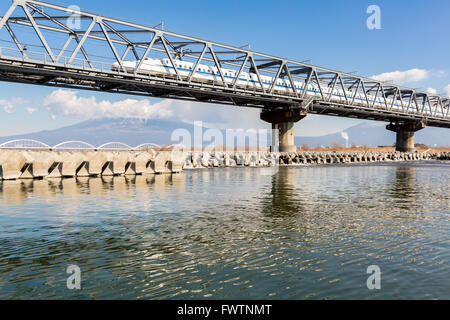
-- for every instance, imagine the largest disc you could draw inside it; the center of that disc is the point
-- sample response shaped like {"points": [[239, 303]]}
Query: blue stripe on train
{"points": [[269, 83]]}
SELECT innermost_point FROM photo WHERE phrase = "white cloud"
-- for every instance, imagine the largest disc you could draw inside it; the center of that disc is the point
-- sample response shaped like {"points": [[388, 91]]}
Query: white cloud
{"points": [[447, 90], [31, 110], [401, 77], [67, 103], [431, 91], [9, 106]]}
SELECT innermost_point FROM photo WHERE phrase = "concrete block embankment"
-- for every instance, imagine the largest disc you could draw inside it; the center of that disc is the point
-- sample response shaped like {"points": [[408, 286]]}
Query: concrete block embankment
{"points": [[32, 164], [262, 159], [358, 157], [29, 164]]}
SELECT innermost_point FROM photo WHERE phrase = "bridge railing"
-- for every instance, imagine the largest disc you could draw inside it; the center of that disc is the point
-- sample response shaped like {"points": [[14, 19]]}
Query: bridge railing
{"points": [[120, 41]]}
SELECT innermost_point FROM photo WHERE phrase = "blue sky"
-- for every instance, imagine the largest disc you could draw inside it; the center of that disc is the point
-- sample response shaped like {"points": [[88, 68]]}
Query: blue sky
{"points": [[332, 34]]}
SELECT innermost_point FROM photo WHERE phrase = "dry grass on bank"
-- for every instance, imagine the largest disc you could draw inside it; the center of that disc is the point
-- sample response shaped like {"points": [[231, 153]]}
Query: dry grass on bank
{"points": [[421, 148], [377, 149]]}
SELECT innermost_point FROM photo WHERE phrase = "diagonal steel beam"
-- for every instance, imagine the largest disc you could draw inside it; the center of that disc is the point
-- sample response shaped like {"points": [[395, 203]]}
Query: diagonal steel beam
{"points": [[383, 92], [147, 51], [172, 62], [218, 65], [236, 79], [294, 89], [83, 39], [197, 63], [416, 103], [441, 104], [400, 96], [111, 45], [127, 50], [356, 92], [429, 103], [38, 32], [306, 83], [13, 36], [409, 102], [365, 93], [8, 14], [343, 88], [274, 83], [41, 12], [318, 84], [376, 96], [121, 36], [63, 49], [253, 65], [333, 85], [394, 97]]}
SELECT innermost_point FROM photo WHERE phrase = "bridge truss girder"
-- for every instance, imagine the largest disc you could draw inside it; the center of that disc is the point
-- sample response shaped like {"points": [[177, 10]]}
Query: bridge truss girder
{"points": [[81, 54]]}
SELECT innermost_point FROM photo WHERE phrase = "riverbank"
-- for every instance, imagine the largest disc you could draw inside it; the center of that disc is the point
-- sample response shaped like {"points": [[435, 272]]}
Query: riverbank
{"points": [[27, 164]]}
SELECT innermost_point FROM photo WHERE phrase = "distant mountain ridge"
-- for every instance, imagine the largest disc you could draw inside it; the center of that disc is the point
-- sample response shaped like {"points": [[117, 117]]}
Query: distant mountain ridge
{"points": [[137, 131], [375, 135]]}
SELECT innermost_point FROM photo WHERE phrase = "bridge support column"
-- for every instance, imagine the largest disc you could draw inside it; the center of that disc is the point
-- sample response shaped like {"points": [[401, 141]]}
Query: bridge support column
{"points": [[283, 120], [405, 134]]}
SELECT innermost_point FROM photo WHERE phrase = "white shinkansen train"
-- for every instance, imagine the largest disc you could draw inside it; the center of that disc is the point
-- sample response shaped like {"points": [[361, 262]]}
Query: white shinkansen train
{"points": [[209, 74]]}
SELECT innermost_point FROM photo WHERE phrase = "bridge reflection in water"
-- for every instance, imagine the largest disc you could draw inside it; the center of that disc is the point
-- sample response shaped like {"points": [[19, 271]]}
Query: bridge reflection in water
{"points": [[287, 196], [49, 189]]}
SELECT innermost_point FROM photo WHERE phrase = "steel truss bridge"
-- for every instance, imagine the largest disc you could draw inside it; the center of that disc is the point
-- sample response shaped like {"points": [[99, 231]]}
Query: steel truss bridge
{"points": [[50, 45]]}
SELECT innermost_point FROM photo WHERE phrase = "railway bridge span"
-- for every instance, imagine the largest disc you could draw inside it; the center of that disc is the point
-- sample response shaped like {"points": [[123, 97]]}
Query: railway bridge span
{"points": [[50, 45]]}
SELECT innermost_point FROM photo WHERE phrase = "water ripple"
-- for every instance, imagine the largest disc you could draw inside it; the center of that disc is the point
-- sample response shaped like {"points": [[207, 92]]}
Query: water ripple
{"points": [[303, 233]]}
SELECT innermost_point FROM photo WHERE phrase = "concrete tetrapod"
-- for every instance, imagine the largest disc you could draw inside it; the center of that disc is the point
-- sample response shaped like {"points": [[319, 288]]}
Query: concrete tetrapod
{"points": [[13, 163]]}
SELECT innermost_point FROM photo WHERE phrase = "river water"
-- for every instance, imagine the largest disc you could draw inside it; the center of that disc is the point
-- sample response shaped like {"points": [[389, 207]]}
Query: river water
{"points": [[305, 232]]}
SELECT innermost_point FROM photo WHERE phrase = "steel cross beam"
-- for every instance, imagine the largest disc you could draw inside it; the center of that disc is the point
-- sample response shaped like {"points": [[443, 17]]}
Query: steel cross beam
{"points": [[84, 65]]}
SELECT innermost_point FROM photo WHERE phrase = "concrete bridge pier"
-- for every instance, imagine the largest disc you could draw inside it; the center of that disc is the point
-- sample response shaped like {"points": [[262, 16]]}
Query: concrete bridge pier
{"points": [[283, 120], [405, 134]]}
